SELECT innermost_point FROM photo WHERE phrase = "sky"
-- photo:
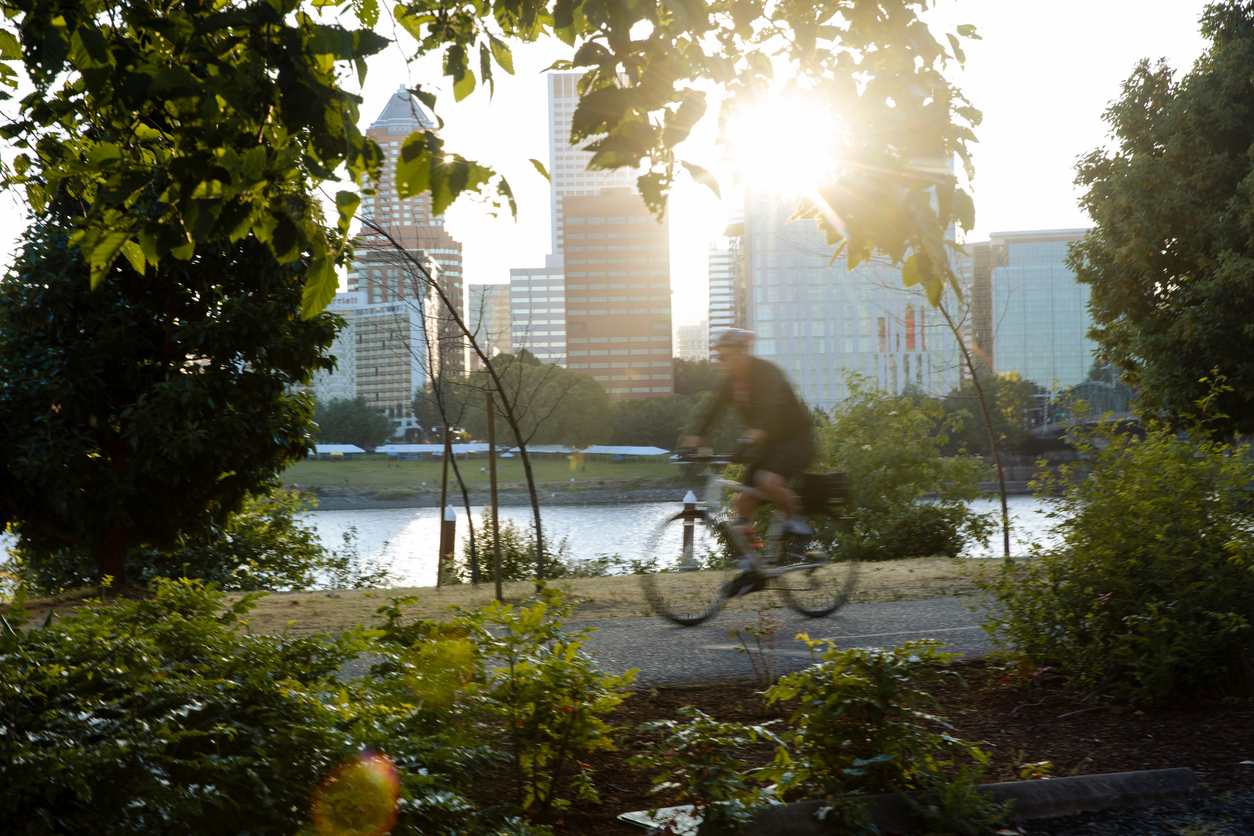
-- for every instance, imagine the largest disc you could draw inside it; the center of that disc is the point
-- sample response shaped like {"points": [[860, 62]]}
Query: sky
{"points": [[1042, 75]]}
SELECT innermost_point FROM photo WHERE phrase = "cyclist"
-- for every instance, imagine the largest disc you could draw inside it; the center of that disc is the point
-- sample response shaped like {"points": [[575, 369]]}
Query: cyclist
{"points": [[779, 442]]}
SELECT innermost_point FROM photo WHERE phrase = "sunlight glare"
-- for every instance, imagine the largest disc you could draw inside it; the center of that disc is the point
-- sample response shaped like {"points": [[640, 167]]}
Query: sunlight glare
{"points": [[786, 144], [359, 798]]}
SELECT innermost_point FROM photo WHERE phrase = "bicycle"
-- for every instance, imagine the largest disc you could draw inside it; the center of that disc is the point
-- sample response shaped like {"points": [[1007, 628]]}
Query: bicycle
{"points": [[698, 557]]}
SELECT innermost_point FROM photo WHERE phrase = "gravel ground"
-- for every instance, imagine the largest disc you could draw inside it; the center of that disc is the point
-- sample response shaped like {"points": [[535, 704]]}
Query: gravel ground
{"points": [[1227, 814]]}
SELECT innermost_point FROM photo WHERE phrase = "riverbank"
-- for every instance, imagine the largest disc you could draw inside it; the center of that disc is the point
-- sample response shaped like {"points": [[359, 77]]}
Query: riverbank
{"points": [[351, 498]]}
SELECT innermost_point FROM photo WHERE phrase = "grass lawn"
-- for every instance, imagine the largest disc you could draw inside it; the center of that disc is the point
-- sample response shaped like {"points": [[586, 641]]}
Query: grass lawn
{"points": [[304, 613], [381, 473]]}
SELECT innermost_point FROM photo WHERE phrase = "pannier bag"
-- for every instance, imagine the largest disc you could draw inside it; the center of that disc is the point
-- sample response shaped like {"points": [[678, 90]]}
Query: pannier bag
{"points": [[824, 491]]}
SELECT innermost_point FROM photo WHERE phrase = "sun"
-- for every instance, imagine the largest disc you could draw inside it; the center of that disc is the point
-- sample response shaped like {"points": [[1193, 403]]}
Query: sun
{"points": [[788, 144]]}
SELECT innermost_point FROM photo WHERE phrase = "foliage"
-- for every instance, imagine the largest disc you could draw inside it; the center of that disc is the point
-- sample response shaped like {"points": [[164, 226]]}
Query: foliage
{"points": [[864, 726], [179, 127], [553, 405], [1011, 402], [763, 652], [352, 421], [148, 409], [527, 684], [518, 555], [651, 422], [891, 447], [695, 377], [219, 108], [1148, 593], [726, 430], [695, 755], [1170, 259], [264, 545], [165, 700]]}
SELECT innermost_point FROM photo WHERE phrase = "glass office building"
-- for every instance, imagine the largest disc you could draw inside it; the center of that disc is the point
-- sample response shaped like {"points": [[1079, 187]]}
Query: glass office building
{"points": [[1039, 312], [818, 320]]}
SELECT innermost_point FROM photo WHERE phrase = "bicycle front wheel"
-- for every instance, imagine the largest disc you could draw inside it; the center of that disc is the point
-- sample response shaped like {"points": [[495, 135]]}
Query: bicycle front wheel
{"points": [[694, 561], [817, 575]]}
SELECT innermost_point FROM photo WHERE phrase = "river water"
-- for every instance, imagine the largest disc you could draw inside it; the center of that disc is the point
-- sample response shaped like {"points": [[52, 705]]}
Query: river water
{"points": [[408, 538]]}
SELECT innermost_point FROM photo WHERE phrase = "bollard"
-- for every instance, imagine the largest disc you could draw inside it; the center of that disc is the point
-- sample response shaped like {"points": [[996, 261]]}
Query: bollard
{"points": [[448, 544], [690, 504]]}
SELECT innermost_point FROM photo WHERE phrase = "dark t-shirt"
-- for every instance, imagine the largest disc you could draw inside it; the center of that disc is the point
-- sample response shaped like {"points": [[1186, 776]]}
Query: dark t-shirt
{"points": [[765, 402]]}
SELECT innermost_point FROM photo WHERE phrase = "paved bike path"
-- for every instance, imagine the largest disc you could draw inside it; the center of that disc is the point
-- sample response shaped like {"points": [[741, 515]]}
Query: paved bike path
{"points": [[672, 656]]}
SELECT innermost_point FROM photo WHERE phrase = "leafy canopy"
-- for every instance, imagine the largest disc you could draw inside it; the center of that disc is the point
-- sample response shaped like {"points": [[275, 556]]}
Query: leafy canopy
{"points": [[217, 108], [1171, 255], [352, 421]]}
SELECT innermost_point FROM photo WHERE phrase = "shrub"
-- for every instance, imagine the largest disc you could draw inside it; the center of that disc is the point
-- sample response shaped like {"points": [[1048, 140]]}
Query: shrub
{"points": [[1149, 592], [891, 447], [525, 682], [160, 717], [518, 553], [265, 545]]}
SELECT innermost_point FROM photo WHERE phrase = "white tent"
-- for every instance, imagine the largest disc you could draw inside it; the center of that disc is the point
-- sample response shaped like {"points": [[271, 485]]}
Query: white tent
{"points": [[458, 449], [343, 449], [546, 448], [604, 450]]}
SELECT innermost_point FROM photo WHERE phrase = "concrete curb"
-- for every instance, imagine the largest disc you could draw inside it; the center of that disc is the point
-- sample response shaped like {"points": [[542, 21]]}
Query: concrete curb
{"points": [[1044, 799]]}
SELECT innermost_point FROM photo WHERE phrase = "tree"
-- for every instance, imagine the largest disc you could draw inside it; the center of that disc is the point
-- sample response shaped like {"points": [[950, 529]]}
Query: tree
{"points": [[692, 377], [1170, 259], [1011, 401], [352, 421], [652, 422], [553, 405], [152, 406], [218, 107]]}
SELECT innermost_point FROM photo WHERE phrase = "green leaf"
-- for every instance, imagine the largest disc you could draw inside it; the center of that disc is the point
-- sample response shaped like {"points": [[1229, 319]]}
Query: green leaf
{"points": [[103, 253], [703, 177], [413, 166], [485, 68], [10, 49], [501, 52], [346, 202], [367, 12], [967, 30], [89, 49], [539, 166], [104, 155], [135, 255], [321, 284], [464, 86]]}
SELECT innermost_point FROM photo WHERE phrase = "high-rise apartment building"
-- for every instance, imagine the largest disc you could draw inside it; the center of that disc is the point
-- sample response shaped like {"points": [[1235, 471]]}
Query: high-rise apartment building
{"points": [[537, 310], [694, 341], [568, 165], [618, 302], [488, 319], [1037, 317], [817, 320], [382, 273], [382, 354], [727, 286]]}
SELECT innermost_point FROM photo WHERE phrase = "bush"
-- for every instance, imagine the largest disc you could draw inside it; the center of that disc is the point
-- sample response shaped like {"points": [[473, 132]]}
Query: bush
{"points": [[891, 447], [160, 717], [1149, 593], [265, 545], [518, 554], [533, 694], [925, 530]]}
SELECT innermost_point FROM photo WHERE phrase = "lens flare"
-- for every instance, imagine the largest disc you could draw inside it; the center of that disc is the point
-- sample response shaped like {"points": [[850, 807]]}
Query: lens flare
{"points": [[359, 798]]}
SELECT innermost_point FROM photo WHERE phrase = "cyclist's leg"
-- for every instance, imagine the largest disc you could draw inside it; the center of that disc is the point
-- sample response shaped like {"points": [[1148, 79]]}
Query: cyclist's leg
{"points": [[778, 464]]}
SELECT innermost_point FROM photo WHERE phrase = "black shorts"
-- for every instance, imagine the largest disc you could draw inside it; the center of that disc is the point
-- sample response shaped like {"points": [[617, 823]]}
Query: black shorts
{"points": [[786, 458]]}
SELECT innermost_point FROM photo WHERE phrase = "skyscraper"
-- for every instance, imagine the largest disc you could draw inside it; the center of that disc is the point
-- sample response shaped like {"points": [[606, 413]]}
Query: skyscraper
{"points": [[618, 301], [568, 165], [383, 274], [488, 318], [817, 319], [537, 310], [1039, 317]]}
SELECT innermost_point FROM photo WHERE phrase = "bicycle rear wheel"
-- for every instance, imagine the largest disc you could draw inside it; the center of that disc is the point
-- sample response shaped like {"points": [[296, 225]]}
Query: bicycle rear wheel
{"points": [[694, 561], [826, 569]]}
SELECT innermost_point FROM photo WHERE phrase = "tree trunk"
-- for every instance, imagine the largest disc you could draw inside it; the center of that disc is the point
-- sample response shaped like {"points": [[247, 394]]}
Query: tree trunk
{"points": [[993, 440], [111, 560], [470, 524]]}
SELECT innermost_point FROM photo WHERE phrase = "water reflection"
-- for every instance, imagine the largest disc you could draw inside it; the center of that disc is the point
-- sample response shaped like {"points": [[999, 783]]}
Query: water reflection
{"points": [[410, 537]]}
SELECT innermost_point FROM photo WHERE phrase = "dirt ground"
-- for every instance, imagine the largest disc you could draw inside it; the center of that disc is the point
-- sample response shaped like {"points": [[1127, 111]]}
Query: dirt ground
{"points": [[1016, 726], [323, 611]]}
